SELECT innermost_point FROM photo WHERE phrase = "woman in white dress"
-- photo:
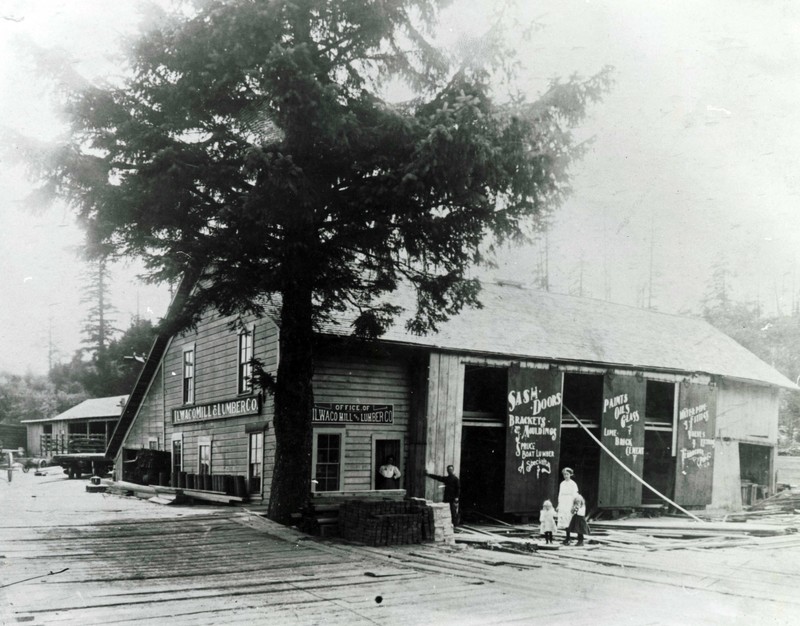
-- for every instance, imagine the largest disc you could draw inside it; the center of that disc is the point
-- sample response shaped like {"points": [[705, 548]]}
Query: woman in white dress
{"points": [[567, 491]]}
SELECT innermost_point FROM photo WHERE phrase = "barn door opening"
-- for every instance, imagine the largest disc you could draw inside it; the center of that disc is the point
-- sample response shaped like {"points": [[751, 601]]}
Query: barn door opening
{"points": [[755, 472], [483, 447], [659, 460], [483, 453], [583, 395]]}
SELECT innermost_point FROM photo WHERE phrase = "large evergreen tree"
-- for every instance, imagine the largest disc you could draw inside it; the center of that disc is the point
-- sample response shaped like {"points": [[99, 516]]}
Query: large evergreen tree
{"points": [[253, 149]]}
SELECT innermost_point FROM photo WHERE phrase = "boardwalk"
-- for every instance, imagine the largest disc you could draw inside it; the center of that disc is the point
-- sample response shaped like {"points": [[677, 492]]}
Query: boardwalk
{"points": [[69, 557]]}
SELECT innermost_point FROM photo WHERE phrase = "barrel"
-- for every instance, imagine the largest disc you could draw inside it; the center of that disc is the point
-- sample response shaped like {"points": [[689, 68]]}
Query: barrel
{"points": [[240, 488]]}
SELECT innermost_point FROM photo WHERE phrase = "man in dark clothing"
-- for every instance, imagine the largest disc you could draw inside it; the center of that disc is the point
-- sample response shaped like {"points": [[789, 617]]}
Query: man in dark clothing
{"points": [[452, 490]]}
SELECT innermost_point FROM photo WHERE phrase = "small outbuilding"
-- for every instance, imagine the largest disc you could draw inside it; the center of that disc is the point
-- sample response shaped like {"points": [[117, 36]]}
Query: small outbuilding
{"points": [[86, 427], [634, 401]]}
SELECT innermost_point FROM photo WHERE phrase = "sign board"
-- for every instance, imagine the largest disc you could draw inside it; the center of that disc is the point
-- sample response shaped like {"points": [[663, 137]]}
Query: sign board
{"points": [[533, 437], [694, 452], [622, 432], [217, 410], [330, 413]]}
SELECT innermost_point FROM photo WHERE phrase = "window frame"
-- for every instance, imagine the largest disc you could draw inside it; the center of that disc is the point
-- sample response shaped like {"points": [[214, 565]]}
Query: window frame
{"points": [[250, 464], [244, 367], [341, 432], [204, 442], [188, 391], [177, 438]]}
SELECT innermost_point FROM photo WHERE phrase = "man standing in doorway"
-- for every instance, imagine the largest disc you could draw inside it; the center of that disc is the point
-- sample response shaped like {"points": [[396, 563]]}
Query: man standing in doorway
{"points": [[452, 491]]}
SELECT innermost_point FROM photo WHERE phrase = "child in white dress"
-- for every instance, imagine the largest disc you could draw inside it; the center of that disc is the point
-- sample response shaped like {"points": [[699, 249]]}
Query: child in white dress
{"points": [[547, 521]]}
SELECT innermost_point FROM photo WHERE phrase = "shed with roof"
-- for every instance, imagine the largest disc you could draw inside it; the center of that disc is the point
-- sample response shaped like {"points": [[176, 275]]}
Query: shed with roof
{"points": [[86, 427]]}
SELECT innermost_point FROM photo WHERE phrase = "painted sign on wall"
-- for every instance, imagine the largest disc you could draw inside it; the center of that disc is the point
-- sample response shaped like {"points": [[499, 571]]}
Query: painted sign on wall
{"points": [[331, 413], [217, 410], [533, 437], [622, 430], [694, 453]]}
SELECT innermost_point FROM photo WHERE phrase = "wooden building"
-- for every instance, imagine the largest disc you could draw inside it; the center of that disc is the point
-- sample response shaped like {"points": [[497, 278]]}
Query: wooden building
{"points": [[509, 394], [86, 427]]}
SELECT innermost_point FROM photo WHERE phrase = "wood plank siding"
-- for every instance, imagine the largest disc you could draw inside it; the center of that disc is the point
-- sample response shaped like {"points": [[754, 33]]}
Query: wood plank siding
{"points": [[149, 423], [445, 401], [216, 360], [745, 414], [360, 378]]}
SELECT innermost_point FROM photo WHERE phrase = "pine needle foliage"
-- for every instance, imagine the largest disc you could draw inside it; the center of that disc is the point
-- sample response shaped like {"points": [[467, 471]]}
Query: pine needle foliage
{"points": [[254, 149]]}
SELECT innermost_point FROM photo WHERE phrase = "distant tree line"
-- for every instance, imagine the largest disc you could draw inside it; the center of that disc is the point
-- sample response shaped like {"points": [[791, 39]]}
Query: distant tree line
{"points": [[107, 364]]}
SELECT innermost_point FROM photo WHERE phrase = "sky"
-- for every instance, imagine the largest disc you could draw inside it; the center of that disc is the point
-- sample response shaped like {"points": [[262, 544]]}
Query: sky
{"points": [[692, 166]]}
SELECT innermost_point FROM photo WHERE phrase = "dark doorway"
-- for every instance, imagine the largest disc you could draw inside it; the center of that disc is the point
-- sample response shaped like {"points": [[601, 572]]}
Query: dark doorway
{"points": [[754, 463], [659, 463], [583, 396], [483, 441], [384, 449], [483, 453]]}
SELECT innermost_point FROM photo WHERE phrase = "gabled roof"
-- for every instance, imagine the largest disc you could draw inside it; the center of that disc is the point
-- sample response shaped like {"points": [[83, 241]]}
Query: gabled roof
{"points": [[153, 360], [522, 323], [92, 408]]}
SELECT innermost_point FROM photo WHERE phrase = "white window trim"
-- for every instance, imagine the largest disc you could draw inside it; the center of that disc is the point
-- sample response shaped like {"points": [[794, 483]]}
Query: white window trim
{"points": [[391, 436], [151, 440], [177, 437], [251, 330], [262, 453], [205, 441], [328, 431], [190, 347]]}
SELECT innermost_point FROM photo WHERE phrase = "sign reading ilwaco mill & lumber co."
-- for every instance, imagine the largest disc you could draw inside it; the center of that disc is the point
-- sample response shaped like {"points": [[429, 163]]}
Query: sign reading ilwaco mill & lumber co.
{"points": [[329, 413], [217, 410]]}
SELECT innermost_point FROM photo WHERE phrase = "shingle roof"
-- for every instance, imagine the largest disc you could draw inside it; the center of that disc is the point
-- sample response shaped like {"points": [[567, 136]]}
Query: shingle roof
{"points": [[523, 323], [95, 407]]}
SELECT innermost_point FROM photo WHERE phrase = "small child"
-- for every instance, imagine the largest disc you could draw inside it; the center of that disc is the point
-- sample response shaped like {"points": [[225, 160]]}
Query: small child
{"points": [[578, 522], [547, 521]]}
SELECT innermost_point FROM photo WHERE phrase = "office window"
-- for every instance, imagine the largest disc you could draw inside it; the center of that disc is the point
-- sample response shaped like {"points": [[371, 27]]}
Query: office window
{"points": [[204, 457], [177, 455], [245, 358], [327, 458], [256, 455], [188, 375]]}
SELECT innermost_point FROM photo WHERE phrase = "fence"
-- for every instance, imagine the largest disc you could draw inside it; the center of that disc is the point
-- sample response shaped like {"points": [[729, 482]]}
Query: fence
{"points": [[71, 444]]}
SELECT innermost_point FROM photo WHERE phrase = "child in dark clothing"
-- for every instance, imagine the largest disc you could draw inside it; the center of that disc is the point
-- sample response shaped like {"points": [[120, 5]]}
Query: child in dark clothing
{"points": [[578, 523]]}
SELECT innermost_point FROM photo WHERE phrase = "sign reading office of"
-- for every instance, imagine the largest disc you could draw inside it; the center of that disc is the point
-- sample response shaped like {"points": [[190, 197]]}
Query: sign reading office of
{"points": [[328, 413]]}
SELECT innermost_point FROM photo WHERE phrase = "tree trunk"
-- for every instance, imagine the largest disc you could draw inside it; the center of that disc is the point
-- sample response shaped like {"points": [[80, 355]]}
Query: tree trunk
{"points": [[291, 480]]}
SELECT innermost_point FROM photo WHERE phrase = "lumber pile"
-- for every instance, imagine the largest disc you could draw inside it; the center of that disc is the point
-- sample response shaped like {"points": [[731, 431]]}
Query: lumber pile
{"points": [[787, 500], [320, 514], [639, 535], [386, 523], [443, 531]]}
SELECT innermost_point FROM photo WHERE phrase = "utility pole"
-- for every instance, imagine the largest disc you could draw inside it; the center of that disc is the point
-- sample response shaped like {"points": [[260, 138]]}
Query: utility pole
{"points": [[650, 277]]}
